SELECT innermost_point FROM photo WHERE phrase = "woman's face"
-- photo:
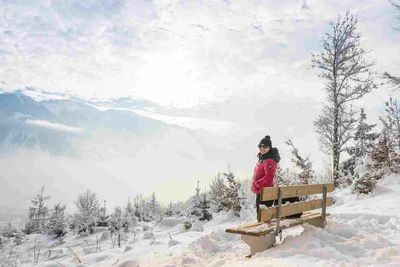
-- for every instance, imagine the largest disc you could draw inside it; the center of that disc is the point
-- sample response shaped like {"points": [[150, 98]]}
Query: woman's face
{"points": [[263, 149]]}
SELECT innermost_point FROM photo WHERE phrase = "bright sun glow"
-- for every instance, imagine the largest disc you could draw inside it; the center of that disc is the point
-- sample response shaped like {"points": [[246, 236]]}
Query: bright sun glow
{"points": [[170, 78]]}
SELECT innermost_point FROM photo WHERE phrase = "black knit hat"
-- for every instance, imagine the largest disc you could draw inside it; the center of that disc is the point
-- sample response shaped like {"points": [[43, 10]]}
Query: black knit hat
{"points": [[266, 141]]}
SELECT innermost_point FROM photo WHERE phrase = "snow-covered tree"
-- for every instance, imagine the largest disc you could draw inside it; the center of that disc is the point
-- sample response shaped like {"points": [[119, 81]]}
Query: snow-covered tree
{"points": [[88, 212], [303, 164], [364, 181], [364, 144], [9, 231], [204, 208], [391, 123], [348, 77], [381, 163], [155, 209], [394, 79], [57, 224], [170, 210], [194, 209], [138, 209], [231, 196], [117, 224], [37, 213], [364, 137], [129, 216], [217, 188], [103, 216]]}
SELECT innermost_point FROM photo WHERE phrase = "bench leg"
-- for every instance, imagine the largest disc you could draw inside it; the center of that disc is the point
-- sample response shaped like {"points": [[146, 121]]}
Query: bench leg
{"points": [[259, 243]]}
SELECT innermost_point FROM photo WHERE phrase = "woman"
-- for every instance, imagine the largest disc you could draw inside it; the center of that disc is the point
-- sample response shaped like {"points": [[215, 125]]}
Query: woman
{"points": [[264, 172]]}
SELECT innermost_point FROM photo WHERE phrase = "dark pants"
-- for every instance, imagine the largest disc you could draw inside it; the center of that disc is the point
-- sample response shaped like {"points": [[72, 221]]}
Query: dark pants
{"points": [[267, 203], [270, 203]]}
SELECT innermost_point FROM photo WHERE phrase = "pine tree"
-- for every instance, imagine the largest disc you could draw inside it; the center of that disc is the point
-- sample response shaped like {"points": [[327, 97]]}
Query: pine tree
{"points": [[9, 231], [304, 164], [391, 122], [117, 223], [231, 195], [170, 210], [103, 216], [204, 207], [88, 212], [364, 144], [138, 210], [37, 213], [130, 218], [155, 209], [194, 205], [381, 157], [217, 189], [365, 139], [57, 224], [364, 181]]}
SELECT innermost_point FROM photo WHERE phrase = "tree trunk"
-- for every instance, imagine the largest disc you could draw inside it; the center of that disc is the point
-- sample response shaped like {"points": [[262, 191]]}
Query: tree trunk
{"points": [[335, 147]]}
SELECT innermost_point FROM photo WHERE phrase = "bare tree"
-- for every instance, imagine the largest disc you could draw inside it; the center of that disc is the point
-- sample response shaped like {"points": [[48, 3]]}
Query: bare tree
{"points": [[348, 77], [392, 79]]}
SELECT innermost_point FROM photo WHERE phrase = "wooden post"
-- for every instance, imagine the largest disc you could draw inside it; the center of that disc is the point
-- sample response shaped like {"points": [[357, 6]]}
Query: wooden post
{"points": [[324, 194], [278, 217]]}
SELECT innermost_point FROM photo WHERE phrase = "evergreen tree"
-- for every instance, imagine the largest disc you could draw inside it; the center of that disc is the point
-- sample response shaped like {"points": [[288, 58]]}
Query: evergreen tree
{"points": [[57, 224], [217, 189], [381, 163], [204, 207], [170, 210], [37, 213], [365, 139], [9, 231], [364, 181], [364, 144], [194, 205], [117, 223], [138, 209], [155, 209], [304, 164], [88, 212], [130, 218], [231, 196], [103, 216]]}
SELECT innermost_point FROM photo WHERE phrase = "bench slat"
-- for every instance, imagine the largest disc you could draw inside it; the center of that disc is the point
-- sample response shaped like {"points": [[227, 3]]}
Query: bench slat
{"points": [[271, 193], [264, 228], [293, 208]]}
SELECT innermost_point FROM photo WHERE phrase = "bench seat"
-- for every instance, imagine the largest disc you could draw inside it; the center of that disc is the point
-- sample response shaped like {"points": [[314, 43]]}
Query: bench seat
{"points": [[265, 228]]}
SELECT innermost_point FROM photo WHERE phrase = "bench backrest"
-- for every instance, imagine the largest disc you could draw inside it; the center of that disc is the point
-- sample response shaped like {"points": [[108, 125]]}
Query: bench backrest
{"points": [[281, 192]]}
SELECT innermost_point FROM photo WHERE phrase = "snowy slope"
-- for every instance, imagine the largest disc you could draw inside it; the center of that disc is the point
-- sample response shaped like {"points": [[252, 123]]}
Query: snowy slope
{"points": [[361, 231]]}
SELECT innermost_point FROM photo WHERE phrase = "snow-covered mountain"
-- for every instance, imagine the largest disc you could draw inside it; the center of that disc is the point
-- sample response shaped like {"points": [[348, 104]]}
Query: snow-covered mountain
{"points": [[52, 124]]}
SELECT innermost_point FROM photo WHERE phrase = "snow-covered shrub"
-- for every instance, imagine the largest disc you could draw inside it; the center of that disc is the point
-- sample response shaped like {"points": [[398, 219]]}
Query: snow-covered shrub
{"points": [[18, 240], [197, 226], [187, 225], [364, 182]]}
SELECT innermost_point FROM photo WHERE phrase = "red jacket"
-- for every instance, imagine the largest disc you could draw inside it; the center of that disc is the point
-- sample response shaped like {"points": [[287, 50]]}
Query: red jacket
{"points": [[264, 174]]}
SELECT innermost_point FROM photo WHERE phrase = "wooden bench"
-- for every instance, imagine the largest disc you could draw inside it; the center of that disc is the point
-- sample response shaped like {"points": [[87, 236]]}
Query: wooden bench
{"points": [[272, 220]]}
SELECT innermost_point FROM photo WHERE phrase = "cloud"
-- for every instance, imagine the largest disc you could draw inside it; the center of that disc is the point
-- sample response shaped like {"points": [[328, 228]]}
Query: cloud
{"points": [[183, 53], [56, 126]]}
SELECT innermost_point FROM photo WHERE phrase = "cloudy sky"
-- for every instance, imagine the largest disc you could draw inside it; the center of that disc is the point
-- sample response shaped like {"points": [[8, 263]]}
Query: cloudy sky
{"points": [[244, 63]]}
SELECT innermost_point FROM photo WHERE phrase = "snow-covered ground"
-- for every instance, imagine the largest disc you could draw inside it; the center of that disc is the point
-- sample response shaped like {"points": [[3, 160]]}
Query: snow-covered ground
{"points": [[361, 231]]}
